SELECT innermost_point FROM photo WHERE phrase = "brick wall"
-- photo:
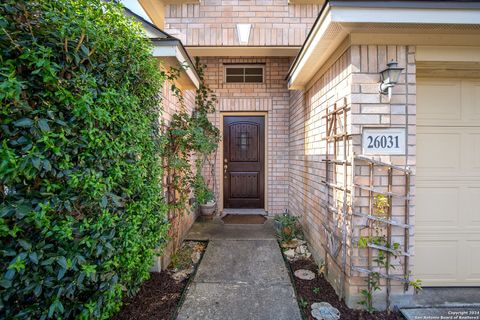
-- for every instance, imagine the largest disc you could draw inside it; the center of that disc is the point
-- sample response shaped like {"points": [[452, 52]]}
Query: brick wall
{"points": [[353, 77], [308, 195], [271, 97], [213, 22], [369, 109], [170, 106]]}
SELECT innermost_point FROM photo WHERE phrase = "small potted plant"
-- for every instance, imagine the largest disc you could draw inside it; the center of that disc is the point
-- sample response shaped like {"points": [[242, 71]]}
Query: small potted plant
{"points": [[208, 209], [205, 198]]}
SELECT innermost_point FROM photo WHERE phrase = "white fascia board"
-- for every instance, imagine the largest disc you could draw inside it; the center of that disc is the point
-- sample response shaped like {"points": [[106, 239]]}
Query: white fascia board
{"points": [[311, 45], [173, 51], [320, 41], [405, 15], [165, 51], [187, 66]]}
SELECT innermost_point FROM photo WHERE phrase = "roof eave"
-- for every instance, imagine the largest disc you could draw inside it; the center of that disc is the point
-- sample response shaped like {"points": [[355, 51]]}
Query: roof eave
{"points": [[338, 16]]}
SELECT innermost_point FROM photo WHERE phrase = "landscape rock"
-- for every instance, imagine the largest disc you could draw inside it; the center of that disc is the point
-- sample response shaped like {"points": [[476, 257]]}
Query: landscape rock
{"points": [[301, 242], [290, 254], [196, 255], [324, 311], [301, 249], [181, 275], [304, 274]]}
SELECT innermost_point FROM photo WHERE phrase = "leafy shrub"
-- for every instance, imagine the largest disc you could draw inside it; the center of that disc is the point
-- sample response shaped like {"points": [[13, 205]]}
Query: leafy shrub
{"points": [[81, 206], [286, 226]]}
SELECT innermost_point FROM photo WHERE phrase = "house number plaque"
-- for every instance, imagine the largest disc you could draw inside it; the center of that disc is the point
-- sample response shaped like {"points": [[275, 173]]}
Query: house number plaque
{"points": [[383, 141]]}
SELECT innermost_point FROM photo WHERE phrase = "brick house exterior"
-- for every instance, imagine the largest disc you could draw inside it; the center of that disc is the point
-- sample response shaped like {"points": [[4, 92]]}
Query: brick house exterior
{"points": [[321, 56]]}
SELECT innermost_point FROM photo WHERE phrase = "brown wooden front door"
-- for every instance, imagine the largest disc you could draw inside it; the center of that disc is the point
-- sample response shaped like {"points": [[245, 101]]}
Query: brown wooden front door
{"points": [[243, 162]]}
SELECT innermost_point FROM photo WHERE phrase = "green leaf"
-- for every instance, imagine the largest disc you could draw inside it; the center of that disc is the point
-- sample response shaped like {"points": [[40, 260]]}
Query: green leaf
{"points": [[362, 242], [22, 210], [61, 273], [36, 163], [46, 165], [33, 257], [10, 274], [43, 125], [5, 283], [48, 262], [104, 202], [62, 262], [38, 290], [24, 244], [24, 123]]}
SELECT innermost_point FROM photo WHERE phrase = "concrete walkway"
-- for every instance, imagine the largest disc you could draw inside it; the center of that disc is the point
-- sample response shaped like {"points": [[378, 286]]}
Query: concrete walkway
{"points": [[242, 276]]}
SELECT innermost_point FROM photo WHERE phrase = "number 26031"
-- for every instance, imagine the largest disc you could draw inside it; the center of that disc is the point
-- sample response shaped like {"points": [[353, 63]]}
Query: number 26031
{"points": [[382, 141]]}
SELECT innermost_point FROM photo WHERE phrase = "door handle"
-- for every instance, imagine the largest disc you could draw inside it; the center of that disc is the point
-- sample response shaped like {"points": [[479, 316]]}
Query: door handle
{"points": [[225, 167]]}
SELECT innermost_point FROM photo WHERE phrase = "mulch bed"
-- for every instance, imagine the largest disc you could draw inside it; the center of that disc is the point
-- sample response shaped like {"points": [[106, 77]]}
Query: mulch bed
{"points": [[160, 296], [326, 293]]}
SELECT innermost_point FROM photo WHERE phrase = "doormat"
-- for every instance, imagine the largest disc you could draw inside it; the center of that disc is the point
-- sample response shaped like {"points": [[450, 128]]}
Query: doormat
{"points": [[244, 219]]}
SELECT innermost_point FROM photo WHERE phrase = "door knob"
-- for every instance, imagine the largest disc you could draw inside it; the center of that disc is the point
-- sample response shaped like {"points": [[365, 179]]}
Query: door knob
{"points": [[225, 167]]}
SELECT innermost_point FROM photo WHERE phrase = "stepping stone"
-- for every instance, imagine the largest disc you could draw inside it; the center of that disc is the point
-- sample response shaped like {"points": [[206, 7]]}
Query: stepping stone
{"points": [[324, 311], [304, 274]]}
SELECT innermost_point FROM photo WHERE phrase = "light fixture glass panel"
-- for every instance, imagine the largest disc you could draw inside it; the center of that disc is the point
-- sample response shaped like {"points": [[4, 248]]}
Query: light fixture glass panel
{"points": [[395, 74], [243, 32]]}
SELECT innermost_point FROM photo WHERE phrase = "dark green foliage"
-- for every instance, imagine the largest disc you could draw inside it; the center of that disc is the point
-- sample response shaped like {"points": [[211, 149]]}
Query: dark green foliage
{"points": [[287, 227], [81, 206]]}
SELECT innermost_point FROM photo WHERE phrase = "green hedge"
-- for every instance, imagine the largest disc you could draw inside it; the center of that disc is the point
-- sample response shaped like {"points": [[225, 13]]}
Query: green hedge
{"points": [[81, 206]]}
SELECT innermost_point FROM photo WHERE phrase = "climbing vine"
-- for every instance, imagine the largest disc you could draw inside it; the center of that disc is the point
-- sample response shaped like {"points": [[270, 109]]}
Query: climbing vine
{"points": [[380, 206], [189, 136]]}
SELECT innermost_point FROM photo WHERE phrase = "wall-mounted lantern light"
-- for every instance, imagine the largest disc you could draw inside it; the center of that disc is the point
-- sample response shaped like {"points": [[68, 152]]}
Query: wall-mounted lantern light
{"points": [[243, 32], [389, 78]]}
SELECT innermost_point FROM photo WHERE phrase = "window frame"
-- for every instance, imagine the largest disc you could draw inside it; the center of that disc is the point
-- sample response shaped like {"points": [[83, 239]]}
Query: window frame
{"points": [[243, 66]]}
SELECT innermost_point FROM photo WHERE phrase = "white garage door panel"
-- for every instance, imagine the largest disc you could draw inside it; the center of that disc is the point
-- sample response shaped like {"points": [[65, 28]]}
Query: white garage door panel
{"points": [[446, 93], [473, 269], [433, 156], [441, 200], [443, 269], [448, 102], [447, 226]]}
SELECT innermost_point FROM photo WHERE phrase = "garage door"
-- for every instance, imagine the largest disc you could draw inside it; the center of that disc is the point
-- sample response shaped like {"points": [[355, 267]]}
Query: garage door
{"points": [[447, 232]]}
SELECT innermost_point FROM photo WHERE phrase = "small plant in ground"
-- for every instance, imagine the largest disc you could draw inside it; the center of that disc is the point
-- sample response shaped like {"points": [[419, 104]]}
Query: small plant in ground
{"points": [[303, 303], [181, 259], [316, 290], [287, 227], [373, 283], [380, 205], [416, 284]]}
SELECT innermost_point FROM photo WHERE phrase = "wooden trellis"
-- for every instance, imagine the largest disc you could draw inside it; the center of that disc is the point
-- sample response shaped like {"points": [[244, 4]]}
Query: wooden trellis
{"points": [[334, 160], [388, 222], [333, 116]]}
